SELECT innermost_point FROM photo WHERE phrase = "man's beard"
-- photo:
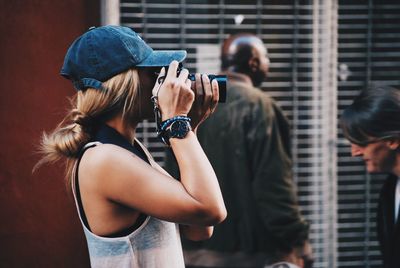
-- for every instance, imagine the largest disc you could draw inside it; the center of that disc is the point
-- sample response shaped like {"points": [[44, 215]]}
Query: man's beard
{"points": [[258, 78]]}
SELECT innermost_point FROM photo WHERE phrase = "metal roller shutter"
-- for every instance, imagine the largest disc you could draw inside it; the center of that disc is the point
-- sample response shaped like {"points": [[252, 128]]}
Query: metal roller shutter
{"points": [[369, 52], [307, 41]]}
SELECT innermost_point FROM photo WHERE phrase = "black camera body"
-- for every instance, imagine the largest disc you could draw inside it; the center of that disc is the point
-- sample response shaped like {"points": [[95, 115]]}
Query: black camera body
{"points": [[221, 79]]}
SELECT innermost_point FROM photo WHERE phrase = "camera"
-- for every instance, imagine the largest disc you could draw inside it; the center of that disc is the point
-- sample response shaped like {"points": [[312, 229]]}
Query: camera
{"points": [[221, 80]]}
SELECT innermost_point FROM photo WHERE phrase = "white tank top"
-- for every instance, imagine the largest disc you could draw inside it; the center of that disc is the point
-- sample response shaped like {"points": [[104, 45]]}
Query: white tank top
{"points": [[154, 244]]}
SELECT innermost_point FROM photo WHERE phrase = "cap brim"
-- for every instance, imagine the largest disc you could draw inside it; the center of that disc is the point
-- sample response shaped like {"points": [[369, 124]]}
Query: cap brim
{"points": [[163, 58]]}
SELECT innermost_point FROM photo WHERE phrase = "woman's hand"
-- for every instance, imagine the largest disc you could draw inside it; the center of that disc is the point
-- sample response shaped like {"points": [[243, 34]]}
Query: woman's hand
{"points": [[205, 103], [173, 94]]}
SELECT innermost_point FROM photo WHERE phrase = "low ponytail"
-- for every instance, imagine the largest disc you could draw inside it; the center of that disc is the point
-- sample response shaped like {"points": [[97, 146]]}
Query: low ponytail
{"points": [[67, 139], [90, 108]]}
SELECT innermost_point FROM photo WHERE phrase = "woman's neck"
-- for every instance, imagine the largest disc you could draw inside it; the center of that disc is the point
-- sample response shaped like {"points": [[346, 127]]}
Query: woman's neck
{"points": [[118, 124]]}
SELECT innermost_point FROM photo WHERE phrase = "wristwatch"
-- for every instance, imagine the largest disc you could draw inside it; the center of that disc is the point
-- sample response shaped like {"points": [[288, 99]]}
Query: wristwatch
{"points": [[178, 129]]}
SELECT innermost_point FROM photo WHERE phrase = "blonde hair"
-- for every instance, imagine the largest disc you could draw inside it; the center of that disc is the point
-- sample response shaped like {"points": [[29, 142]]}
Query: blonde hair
{"points": [[89, 108]]}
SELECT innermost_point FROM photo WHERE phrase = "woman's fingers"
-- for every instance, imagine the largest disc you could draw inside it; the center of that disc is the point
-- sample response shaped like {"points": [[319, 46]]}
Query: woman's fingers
{"points": [[175, 96], [159, 81], [207, 98], [172, 70], [199, 91], [215, 95], [183, 75], [188, 83]]}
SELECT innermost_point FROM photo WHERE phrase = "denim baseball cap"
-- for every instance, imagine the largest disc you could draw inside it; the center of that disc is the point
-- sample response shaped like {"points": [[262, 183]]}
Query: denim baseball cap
{"points": [[106, 51]]}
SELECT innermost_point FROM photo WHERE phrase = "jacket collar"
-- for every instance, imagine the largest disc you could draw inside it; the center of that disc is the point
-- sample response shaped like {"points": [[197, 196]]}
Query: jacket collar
{"points": [[238, 77]]}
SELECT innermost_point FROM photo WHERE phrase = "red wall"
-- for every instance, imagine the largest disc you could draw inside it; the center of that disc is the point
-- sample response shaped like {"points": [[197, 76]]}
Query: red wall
{"points": [[38, 222]]}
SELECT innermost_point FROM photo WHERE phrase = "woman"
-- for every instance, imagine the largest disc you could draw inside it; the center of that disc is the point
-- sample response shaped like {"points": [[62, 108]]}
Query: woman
{"points": [[128, 205], [372, 125]]}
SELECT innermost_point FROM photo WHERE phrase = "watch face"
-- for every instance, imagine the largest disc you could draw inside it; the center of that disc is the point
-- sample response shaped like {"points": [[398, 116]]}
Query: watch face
{"points": [[179, 129]]}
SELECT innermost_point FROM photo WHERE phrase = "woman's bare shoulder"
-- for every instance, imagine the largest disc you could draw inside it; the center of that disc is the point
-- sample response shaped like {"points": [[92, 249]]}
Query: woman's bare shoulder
{"points": [[106, 159]]}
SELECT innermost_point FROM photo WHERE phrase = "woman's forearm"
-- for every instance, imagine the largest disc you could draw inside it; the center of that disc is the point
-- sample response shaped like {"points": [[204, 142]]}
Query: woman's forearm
{"points": [[198, 176]]}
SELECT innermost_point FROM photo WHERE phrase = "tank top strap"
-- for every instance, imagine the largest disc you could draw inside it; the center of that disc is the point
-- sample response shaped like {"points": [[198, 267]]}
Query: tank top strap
{"points": [[146, 152], [152, 162], [74, 184]]}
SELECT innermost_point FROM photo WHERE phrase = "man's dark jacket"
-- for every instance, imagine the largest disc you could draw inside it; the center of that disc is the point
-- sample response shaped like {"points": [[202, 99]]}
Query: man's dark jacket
{"points": [[388, 230], [247, 143]]}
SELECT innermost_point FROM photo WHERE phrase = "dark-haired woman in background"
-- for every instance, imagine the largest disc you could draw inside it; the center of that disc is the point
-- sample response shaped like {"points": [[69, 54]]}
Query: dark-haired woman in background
{"points": [[372, 125]]}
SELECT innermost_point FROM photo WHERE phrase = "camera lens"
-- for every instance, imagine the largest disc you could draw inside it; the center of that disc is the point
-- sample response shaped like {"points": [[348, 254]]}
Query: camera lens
{"points": [[221, 80]]}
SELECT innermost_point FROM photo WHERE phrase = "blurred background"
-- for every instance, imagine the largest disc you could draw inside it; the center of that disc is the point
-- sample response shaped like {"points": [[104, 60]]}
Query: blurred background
{"points": [[322, 53]]}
